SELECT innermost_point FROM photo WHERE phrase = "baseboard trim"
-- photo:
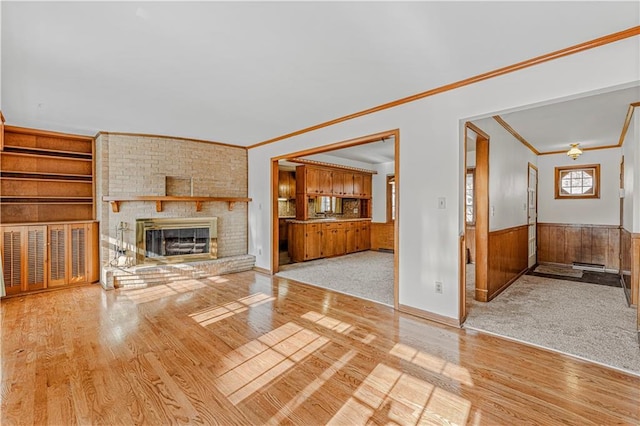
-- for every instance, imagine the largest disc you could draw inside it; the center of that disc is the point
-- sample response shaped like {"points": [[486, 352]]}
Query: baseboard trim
{"points": [[262, 270], [451, 322]]}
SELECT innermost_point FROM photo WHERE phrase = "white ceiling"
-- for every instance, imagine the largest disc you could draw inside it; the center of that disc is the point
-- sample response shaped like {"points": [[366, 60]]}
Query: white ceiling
{"points": [[592, 121], [244, 72]]}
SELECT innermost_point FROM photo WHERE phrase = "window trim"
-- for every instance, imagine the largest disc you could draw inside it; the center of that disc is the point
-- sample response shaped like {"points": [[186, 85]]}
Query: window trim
{"points": [[558, 195], [390, 199]]}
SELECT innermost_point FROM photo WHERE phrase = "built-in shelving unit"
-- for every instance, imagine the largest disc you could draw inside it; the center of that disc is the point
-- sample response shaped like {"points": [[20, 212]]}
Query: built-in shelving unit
{"points": [[46, 176], [117, 200]]}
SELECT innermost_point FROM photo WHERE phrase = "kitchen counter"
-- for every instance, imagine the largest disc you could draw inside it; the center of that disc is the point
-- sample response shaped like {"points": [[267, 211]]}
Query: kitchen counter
{"points": [[329, 220]]}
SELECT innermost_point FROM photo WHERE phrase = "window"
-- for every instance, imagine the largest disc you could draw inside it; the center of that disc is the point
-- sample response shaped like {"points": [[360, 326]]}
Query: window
{"points": [[391, 198], [328, 205], [578, 181], [470, 195]]}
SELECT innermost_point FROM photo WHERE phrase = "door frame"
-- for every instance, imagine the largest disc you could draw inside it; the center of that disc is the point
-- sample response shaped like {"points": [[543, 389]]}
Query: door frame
{"points": [[529, 167], [481, 207], [376, 137]]}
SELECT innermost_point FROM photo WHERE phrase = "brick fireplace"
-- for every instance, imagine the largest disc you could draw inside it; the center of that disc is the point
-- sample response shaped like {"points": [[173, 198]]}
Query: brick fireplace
{"points": [[132, 165]]}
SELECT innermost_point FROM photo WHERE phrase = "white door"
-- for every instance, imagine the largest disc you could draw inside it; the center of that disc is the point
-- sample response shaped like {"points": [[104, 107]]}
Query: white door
{"points": [[532, 209]]}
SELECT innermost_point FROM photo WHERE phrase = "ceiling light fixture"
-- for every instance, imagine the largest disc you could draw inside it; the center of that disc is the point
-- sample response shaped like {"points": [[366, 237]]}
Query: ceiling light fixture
{"points": [[574, 152]]}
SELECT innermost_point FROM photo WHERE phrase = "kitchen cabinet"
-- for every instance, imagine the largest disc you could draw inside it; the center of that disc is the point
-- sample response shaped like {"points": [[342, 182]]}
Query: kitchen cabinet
{"points": [[363, 236], [367, 187], [350, 236], [305, 241], [318, 239], [312, 180], [315, 180], [334, 242], [37, 257], [286, 185]]}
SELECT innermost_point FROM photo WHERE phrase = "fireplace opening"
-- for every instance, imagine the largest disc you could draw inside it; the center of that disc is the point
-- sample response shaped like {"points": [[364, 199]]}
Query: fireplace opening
{"points": [[176, 239]]}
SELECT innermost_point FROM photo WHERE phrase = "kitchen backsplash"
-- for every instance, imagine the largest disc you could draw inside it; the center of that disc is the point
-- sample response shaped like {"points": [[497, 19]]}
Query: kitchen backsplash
{"points": [[287, 208], [350, 209]]}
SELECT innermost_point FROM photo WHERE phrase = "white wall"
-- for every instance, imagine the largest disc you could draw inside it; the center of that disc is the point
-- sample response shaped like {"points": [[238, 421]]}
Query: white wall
{"points": [[597, 211], [508, 176], [379, 184], [431, 161], [631, 152]]}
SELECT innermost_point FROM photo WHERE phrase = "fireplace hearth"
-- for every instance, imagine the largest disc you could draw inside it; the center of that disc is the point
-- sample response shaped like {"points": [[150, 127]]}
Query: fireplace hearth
{"points": [[169, 240]]}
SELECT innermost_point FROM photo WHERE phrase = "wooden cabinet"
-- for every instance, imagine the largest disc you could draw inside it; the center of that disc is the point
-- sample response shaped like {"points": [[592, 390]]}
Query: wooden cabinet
{"points": [[337, 179], [46, 177], [334, 240], [23, 258], [363, 236], [286, 185], [343, 184], [313, 240], [315, 181], [312, 180], [350, 236], [367, 188], [36, 257], [362, 185], [306, 241]]}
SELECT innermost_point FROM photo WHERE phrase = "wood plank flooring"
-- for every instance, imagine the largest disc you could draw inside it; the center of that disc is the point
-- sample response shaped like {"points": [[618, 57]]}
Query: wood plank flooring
{"points": [[253, 349]]}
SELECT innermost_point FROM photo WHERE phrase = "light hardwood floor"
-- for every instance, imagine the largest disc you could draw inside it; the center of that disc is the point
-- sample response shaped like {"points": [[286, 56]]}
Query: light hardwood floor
{"points": [[253, 349]]}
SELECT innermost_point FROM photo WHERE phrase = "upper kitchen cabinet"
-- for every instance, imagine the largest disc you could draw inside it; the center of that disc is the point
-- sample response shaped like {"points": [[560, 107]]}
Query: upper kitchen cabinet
{"points": [[313, 180], [286, 185]]}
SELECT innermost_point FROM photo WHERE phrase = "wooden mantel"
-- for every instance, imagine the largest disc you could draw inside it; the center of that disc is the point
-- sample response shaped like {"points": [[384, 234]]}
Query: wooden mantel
{"points": [[159, 199]]}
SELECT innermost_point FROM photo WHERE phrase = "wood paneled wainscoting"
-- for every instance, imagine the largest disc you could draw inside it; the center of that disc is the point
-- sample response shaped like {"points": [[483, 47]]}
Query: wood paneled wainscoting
{"points": [[507, 260], [382, 236], [630, 267], [568, 243], [470, 242]]}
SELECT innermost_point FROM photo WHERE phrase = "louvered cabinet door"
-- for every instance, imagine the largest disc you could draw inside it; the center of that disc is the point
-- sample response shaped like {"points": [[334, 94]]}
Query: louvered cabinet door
{"points": [[78, 253], [36, 257], [57, 255], [13, 253]]}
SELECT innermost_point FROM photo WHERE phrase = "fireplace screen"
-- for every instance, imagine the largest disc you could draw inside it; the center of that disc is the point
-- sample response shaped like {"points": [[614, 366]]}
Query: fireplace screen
{"points": [[174, 240]]}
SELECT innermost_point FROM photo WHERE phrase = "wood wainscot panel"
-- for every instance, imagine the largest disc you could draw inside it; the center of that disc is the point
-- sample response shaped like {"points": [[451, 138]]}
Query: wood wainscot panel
{"points": [[508, 251], [625, 261], [470, 242], [382, 236], [567, 243]]}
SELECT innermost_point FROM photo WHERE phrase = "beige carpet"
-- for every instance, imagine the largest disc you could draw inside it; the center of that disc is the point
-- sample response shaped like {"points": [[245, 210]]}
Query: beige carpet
{"points": [[589, 321], [367, 274]]}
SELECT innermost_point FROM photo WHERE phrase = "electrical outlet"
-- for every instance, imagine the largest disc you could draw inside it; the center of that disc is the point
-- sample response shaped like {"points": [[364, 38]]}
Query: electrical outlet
{"points": [[438, 287], [259, 251]]}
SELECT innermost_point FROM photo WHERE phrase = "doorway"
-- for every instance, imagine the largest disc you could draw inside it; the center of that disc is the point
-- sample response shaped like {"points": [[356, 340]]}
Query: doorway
{"points": [[341, 156]]}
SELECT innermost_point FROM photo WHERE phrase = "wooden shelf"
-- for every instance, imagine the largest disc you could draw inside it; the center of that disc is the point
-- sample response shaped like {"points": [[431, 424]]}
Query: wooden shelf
{"points": [[43, 154], [45, 200], [46, 152], [116, 200], [47, 177]]}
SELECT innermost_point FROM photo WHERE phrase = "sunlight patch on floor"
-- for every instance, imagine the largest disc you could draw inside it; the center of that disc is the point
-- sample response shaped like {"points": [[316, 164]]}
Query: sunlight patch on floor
{"points": [[212, 315], [432, 363], [255, 364]]}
